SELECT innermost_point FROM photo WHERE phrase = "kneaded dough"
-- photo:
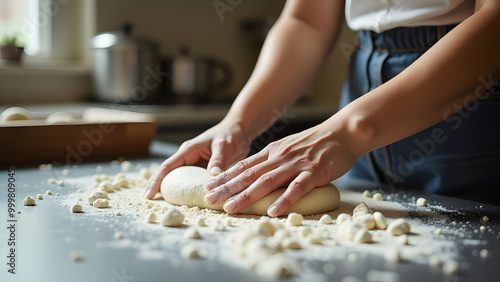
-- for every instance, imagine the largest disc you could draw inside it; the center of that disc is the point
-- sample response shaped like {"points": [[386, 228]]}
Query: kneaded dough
{"points": [[14, 113], [186, 186]]}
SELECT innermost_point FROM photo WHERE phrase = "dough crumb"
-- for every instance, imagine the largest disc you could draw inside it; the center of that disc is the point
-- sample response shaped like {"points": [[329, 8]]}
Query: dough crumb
{"points": [[29, 201], [325, 219], [276, 267], [228, 222], [76, 256], [126, 166], [52, 181], [483, 253], [97, 195], [172, 218], [380, 221], [438, 231], [45, 166], [482, 228], [485, 219], [39, 196], [101, 203], [49, 192], [378, 197], [218, 226], [201, 222], [118, 213], [367, 194], [343, 217], [421, 202], [398, 227], [118, 235], [151, 217], [191, 251], [99, 168], [64, 172], [294, 219], [60, 183], [435, 261], [403, 240], [192, 233], [76, 208], [450, 267]]}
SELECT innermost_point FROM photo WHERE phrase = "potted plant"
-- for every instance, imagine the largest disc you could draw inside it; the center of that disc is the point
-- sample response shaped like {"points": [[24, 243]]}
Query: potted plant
{"points": [[10, 49]]}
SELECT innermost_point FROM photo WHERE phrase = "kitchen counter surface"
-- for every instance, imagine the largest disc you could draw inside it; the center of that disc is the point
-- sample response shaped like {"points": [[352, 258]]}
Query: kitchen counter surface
{"points": [[181, 115], [46, 234]]}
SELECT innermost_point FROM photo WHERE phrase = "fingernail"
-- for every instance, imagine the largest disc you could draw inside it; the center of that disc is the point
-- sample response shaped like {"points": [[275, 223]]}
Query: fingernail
{"points": [[210, 198], [216, 170], [272, 211], [230, 206], [146, 193]]}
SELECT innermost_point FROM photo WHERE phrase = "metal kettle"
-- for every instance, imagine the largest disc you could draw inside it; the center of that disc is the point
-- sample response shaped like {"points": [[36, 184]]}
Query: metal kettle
{"points": [[198, 76], [124, 67]]}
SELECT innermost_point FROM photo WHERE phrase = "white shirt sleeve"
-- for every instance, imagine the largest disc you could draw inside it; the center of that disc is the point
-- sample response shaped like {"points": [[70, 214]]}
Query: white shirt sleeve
{"points": [[382, 15]]}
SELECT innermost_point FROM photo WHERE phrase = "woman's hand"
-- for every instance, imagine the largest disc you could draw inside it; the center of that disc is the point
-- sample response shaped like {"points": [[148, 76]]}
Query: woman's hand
{"points": [[303, 161], [216, 149]]}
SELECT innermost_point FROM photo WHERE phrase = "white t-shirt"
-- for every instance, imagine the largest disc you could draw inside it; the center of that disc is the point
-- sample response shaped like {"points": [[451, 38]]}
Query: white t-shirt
{"points": [[382, 15]]}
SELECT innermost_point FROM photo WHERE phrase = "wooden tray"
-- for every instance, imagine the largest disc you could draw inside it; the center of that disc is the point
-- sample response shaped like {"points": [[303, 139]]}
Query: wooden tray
{"points": [[99, 133]]}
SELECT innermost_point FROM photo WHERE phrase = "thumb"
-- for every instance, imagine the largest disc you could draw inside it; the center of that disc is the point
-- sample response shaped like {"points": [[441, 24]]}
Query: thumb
{"points": [[221, 150]]}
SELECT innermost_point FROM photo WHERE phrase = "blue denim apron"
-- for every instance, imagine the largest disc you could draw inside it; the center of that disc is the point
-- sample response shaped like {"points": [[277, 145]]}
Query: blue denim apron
{"points": [[460, 155]]}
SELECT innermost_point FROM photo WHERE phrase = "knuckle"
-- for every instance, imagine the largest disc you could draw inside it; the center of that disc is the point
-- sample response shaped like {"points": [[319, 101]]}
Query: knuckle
{"points": [[244, 197], [242, 165], [225, 189], [298, 187], [266, 180], [248, 175], [286, 203]]}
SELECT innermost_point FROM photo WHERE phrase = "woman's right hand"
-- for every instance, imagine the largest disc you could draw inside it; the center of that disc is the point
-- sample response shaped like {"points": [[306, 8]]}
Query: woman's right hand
{"points": [[216, 149]]}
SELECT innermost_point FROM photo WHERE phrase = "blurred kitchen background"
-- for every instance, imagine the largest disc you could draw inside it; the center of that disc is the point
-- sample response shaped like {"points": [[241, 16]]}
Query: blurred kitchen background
{"points": [[184, 60]]}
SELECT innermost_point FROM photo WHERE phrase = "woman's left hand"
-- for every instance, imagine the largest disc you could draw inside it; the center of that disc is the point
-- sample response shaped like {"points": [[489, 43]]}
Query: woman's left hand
{"points": [[302, 161]]}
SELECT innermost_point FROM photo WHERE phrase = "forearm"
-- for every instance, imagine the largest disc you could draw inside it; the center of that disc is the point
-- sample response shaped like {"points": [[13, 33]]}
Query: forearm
{"points": [[290, 57], [441, 82]]}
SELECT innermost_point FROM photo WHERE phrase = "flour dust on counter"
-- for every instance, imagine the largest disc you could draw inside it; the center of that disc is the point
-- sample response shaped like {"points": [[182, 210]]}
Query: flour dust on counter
{"points": [[392, 227]]}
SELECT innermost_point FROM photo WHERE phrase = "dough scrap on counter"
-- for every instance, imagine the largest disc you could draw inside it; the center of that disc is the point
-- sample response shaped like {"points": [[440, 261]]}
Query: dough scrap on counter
{"points": [[59, 118], [186, 186], [101, 203], [76, 208], [294, 219], [14, 113], [421, 202], [97, 195], [29, 201], [151, 217], [398, 227], [172, 218]]}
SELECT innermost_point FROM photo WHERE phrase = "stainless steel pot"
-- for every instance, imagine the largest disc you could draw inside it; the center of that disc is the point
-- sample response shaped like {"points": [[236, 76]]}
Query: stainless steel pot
{"points": [[125, 68], [198, 76]]}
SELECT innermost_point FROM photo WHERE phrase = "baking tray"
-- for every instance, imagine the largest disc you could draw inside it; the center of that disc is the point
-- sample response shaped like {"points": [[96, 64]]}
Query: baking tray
{"points": [[97, 134]]}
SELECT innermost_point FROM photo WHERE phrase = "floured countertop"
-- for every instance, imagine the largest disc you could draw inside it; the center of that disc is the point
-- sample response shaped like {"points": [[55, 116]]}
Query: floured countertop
{"points": [[116, 243]]}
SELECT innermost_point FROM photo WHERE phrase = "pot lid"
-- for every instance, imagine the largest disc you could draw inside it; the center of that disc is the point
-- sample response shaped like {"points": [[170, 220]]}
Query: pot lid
{"points": [[122, 40]]}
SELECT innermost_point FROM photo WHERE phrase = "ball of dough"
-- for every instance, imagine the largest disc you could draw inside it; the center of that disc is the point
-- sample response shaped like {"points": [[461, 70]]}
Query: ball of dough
{"points": [[380, 221], [172, 218], [325, 219], [14, 113], [60, 118], [421, 202], [186, 186]]}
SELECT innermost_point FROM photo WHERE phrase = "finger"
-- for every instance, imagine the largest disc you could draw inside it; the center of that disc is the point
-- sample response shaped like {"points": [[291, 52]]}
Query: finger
{"points": [[302, 184], [239, 183], [264, 185], [236, 170], [221, 149]]}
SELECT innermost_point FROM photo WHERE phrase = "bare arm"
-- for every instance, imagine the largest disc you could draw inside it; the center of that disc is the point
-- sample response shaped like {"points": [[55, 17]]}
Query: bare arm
{"points": [[295, 48]]}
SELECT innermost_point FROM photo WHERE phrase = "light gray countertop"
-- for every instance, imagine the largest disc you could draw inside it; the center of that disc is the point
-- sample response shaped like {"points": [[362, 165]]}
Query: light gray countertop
{"points": [[45, 236]]}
